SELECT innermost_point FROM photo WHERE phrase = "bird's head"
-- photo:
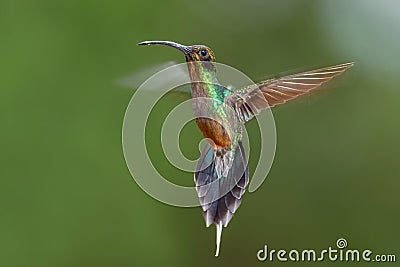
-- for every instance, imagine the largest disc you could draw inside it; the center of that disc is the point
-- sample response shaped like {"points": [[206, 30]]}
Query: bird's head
{"points": [[193, 53], [200, 60]]}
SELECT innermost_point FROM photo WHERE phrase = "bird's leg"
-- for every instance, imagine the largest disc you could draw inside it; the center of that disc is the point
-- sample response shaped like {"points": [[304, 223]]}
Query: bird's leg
{"points": [[223, 161]]}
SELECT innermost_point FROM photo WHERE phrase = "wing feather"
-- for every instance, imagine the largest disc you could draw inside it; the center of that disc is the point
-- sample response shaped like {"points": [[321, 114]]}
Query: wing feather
{"points": [[249, 101]]}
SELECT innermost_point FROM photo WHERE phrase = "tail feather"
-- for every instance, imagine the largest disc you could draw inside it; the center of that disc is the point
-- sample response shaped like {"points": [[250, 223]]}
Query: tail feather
{"points": [[220, 197], [219, 233]]}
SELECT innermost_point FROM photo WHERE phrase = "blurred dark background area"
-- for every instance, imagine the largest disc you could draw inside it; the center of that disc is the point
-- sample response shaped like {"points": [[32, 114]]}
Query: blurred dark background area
{"points": [[66, 195]]}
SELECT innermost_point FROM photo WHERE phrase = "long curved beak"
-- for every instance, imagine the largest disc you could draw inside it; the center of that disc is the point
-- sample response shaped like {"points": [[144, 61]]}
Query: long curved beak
{"points": [[183, 48]]}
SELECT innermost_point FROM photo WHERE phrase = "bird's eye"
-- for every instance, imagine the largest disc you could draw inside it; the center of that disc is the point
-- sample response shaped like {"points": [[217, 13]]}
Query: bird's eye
{"points": [[203, 53]]}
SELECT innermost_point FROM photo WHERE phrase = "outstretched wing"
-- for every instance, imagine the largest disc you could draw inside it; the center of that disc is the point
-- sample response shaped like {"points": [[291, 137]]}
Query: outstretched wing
{"points": [[178, 74], [250, 100]]}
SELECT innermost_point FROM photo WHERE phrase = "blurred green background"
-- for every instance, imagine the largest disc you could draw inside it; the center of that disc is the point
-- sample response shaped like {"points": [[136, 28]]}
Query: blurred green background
{"points": [[66, 196]]}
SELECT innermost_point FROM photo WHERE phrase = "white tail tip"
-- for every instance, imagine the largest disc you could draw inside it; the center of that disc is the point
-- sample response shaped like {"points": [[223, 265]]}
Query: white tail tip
{"points": [[219, 233]]}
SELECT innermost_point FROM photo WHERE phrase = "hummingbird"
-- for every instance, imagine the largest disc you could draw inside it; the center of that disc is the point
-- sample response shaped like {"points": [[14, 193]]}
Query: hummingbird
{"points": [[221, 175]]}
